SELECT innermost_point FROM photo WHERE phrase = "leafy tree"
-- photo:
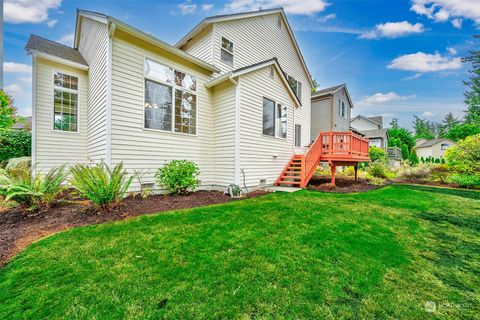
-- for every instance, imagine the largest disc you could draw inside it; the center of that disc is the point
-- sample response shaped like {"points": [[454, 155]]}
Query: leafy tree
{"points": [[423, 128], [14, 144], [315, 85], [403, 135], [463, 130], [465, 156], [377, 154], [405, 153], [413, 158], [394, 123], [472, 95], [7, 112]]}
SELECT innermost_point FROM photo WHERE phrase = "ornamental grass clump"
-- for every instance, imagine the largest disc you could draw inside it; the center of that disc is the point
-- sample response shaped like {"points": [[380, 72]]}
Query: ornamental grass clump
{"points": [[34, 191], [178, 176], [99, 183]]}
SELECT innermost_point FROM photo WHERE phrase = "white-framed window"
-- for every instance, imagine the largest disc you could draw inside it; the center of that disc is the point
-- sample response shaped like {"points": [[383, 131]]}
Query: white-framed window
{"points": [[275, 117], [170, 102], [342, 109], [298, 135], [444, 146], [226, 53], [65, 102], [295, 85]]}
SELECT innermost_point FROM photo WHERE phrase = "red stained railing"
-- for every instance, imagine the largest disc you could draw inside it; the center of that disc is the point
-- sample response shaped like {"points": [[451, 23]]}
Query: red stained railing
{"points": [[344, 146]]}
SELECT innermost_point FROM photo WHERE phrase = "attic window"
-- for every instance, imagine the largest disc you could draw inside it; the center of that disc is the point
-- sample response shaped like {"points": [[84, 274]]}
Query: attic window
{"points": [[279, 21], [226, 54]]}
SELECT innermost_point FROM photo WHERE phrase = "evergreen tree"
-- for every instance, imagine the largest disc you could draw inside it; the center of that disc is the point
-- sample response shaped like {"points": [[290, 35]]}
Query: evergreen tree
{"points": [[423, 128], [413, 158], [394, 123], [472, 95], [405, 153]]}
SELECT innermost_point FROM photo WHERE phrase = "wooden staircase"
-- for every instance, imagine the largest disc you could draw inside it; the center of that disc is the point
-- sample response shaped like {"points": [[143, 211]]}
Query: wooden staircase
{"points": [[338, 148]]}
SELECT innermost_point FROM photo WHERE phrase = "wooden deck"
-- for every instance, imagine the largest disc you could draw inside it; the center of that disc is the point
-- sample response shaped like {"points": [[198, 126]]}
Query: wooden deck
{"points": [[336, 148]]}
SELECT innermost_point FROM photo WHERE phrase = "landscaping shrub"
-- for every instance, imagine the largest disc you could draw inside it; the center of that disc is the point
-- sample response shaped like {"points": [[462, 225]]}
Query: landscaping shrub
{"points": [[377, 154], [465, 180], [33, 191], [440, 172], [178, 176], [465, 156], [413, 158], [22, 163], [14, 144], [409, 172], [104, 186], [378, 169], [405, 153]]}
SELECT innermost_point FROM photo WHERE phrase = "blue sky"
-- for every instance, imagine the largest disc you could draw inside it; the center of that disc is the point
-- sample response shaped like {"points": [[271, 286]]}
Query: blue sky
{"points": [[398, 58]]}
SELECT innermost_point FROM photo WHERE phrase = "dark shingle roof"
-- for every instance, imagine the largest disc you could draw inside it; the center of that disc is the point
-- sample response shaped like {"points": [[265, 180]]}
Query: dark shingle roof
{"points": [[328, 90], [377, 119], [377, 133], [55, 49]]}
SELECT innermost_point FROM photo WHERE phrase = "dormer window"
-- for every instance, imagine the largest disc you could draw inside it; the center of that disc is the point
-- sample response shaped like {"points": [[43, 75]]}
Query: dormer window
{"points": [[226, 54]]}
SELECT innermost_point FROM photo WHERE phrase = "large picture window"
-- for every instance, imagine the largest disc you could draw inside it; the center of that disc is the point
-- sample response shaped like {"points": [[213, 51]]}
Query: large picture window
{"points": [[274, 119], [65, 102], [170, 99]]}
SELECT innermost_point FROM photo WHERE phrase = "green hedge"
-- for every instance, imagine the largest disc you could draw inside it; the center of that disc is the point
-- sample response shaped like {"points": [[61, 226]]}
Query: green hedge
{"points": [[14, 144]]}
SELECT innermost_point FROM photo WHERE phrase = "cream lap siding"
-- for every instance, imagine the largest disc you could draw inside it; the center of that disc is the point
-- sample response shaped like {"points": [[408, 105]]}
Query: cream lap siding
{"points": [[262, 157], [320, 117], [224, 134], [55, 148], [258, 39], [202, 46], [93, 46], [143, 149]]}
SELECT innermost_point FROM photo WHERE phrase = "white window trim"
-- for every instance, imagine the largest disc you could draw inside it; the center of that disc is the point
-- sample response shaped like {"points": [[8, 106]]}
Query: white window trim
{"points": [[275, 103], [232, 53], [173, 86], [52, 103], [342, 103], [298, 92]]}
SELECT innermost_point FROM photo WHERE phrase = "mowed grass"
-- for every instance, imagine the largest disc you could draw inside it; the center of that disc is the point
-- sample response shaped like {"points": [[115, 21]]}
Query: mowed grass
{"points": [[306, 255]]}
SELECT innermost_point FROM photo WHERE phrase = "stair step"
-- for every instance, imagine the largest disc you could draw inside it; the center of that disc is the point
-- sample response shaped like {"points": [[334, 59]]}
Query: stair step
{"points": [[289, 182], [291, 177]]}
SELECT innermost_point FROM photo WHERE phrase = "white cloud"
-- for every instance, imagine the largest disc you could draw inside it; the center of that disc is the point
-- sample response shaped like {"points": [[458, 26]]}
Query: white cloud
{"points": [[300, 7], [66, 39], [187, 8], [27, 80], [452, 51], [424, 62], [33, 11], [207, 6], [382, 98], [13, 89], [415, 76], [15, 67], [428, 114], [393, 30], [327, 17], [444, 10], [457, 23], [52, 23]]}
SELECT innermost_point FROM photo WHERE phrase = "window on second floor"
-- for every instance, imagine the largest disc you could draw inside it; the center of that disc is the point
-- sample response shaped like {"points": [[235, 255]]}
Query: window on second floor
{"points": [[342, 109], [295, 85], [226, 54], [65, 102]]}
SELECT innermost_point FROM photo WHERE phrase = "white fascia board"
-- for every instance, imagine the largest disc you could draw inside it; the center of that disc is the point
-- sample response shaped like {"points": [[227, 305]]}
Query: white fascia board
{"points": [[53, 58]]}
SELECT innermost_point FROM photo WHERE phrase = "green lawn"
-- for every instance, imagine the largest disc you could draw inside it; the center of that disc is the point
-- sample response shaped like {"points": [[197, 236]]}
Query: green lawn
{"points": [[379, 254]]}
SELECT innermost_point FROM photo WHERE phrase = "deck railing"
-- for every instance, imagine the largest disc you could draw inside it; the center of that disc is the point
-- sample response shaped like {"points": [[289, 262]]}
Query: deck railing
{"points": [[394, 153], [343, 146], [311, 159]]}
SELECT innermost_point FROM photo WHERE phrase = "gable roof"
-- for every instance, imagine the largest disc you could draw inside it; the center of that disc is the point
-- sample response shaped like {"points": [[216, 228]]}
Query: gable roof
{"points": [[235, 16], [431, 143], [371, 119], [331, 91], [375, 133], [51, 49], [114, 23], [244, 70]]}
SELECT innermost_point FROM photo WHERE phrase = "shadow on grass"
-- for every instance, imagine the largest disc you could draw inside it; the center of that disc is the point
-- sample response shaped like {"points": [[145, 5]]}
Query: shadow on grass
{"points": [[471, 194]]}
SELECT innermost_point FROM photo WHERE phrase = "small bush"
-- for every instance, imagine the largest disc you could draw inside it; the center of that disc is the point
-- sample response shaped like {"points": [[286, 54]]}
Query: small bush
{"points": [[378, 169], [33, 191], [14, 144], [377, 154], [178, 176], [104, 186], [465, 157], [22, 163], [440, 172], [465, 180]]}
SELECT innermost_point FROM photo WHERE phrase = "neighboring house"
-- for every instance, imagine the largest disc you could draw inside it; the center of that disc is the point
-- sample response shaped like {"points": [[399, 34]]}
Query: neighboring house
{"points": [[331, 110], [25, 124], [435, 148], [372, 129]]}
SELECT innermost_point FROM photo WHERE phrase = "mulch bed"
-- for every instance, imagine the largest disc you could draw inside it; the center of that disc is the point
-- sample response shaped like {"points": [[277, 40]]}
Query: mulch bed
{"points": [[343, 184], [18, 228]]}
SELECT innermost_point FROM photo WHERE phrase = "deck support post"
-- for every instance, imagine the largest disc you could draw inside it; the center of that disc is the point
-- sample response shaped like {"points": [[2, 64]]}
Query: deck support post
{"points": [[356, 171], [333, 168]]}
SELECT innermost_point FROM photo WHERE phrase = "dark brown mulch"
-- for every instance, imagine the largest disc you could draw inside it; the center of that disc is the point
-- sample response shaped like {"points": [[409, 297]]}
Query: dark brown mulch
{"points": [[342, 184], [18, 228]]}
